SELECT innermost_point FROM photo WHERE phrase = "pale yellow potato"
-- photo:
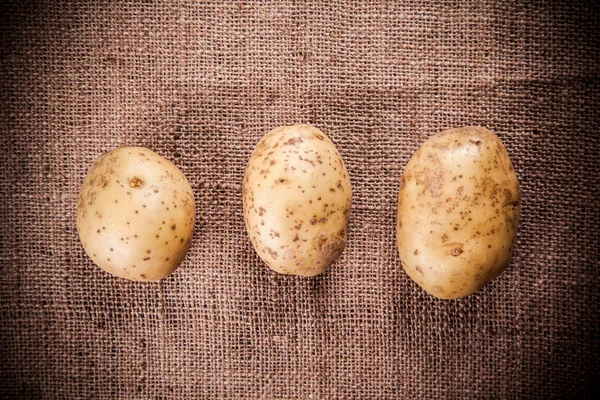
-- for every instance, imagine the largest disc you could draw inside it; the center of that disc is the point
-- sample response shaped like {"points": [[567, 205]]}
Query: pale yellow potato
{"points": [[297, 198], [136, 214], [458, 212]]}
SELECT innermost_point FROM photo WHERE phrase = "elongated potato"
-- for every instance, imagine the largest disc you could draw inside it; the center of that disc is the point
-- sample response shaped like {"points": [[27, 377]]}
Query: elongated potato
{"points": [[458, 212], [297, 197]]}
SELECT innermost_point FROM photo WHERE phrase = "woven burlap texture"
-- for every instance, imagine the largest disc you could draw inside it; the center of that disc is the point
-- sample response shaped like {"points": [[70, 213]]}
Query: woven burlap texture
{"points": [[200, 83]]}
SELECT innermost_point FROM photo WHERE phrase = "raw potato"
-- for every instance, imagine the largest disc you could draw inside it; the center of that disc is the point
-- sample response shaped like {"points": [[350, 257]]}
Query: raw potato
{"points": [[297, 198], [136, 214], [458, 212]]}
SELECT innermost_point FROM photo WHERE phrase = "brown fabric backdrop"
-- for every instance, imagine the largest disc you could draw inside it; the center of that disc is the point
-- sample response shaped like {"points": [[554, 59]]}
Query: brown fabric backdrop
{"points": [[200, 83]]}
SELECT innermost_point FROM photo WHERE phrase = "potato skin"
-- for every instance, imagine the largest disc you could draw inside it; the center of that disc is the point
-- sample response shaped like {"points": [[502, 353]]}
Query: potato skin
{"points": [[297, 198], [136, 214], [458, 212]]}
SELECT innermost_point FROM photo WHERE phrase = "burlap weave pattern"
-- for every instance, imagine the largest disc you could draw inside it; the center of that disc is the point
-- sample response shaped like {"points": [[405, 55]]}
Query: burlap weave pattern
{"points": [[200, 83]]}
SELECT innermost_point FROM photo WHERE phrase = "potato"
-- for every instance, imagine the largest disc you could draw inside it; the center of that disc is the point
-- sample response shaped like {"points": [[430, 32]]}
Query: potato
{"points": [[136, 214], [297, 198], [458, 212]]}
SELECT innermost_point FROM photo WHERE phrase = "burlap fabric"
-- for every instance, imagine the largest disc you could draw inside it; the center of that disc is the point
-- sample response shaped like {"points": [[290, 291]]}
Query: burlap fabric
{"points": [[200, 83]]}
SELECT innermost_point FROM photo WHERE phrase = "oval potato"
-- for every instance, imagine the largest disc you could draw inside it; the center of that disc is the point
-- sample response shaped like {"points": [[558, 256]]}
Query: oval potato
{"points": [[136, 214], [297, 197], [458, 211]]}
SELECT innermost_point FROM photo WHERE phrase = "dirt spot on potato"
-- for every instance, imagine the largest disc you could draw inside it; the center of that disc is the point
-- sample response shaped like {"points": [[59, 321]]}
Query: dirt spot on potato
{"points": [[135, 182], [433, 181], [293, 141], [513, 205], [455, 252], [329, 248], [476, 141], [272, 253], [103, 181], [509, 200]]}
